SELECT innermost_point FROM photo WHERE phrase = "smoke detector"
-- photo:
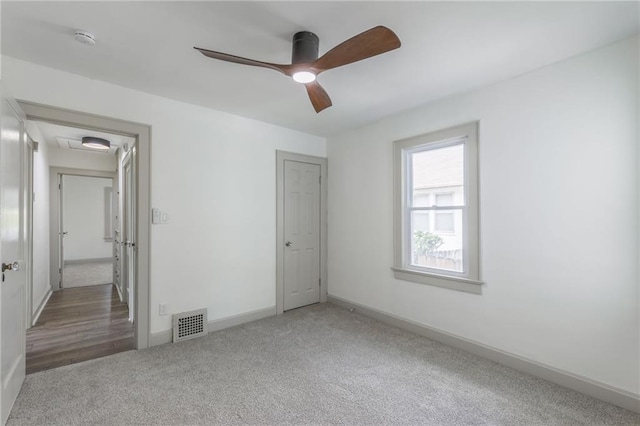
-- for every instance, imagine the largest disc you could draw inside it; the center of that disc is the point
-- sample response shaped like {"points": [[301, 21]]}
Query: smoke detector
{"points": [[85, 37]]}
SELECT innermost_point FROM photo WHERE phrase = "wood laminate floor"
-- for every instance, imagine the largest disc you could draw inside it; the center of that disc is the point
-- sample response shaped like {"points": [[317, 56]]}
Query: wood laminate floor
{"points": [[79, 324]]}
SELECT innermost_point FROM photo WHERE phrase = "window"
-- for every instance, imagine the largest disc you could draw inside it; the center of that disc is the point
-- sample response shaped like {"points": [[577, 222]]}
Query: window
{"points": [[436, 209]]}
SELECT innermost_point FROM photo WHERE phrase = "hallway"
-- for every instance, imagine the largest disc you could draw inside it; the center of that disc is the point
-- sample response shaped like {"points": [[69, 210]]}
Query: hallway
{"points": [[79, 324]]}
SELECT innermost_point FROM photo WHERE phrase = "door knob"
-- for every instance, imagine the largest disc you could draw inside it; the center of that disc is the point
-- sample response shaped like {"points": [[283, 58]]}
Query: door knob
{"points": [[15, 266], [288, 244]]}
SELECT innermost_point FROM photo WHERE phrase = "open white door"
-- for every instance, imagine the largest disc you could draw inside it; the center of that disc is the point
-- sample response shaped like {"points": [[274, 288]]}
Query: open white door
{"points": [[129, 229], [12, 253]]}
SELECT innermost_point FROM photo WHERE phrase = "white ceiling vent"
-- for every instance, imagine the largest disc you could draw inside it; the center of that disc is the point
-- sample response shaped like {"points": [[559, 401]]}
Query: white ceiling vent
{"points": [[188, 325]]}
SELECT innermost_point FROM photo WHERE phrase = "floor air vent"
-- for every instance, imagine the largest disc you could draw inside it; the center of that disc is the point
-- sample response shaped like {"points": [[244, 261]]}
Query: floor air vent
{"points": [[188, 325]]}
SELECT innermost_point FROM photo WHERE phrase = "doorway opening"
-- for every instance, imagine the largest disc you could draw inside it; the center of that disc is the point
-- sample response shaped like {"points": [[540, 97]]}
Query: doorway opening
{"points": [[130, 267], [84, 315], [87, 230]]}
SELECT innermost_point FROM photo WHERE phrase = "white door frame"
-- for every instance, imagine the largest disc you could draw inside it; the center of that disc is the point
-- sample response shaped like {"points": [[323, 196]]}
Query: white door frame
{"points": [[28, 176], [56, 213], [142, 134], [281, 157]]}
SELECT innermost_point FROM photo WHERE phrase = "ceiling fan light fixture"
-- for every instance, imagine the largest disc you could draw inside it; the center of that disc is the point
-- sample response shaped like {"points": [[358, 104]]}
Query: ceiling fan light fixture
{"points": [[306, 65], [95, 143], [304, 77]]}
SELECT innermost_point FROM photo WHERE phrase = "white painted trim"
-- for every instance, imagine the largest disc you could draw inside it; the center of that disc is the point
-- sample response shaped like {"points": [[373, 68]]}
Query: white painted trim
{"points": [[83, 261], [43, 303], [453, 283], [28, 176], [108, 210], [281, 157], [166, 336], [119, 293], [585, 385]]}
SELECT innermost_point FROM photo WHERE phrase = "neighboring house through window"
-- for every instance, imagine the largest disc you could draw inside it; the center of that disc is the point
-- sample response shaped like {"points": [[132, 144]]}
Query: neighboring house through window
{"points": [[436, 209]]}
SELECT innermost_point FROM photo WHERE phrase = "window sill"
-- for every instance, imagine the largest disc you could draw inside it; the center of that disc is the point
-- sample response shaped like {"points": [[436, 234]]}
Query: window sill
{"points": [[452, 283]]}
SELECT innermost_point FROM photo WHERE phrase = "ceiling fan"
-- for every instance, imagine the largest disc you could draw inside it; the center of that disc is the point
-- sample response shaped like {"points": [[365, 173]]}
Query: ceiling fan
{"points": [[305, 64]]}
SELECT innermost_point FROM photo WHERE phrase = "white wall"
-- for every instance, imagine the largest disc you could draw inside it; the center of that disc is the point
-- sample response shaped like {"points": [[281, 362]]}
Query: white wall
{"points": [[84, 218], [212, 172], [76, 159], [41, 279], [559, 217]]}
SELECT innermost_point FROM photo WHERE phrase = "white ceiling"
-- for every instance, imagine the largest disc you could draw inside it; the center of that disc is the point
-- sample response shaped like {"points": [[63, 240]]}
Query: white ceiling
{"points": [[446, 48], [65, 137]]}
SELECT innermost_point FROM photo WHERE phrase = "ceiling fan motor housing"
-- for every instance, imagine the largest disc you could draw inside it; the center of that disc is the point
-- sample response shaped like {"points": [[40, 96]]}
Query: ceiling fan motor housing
{"points": [[305, 47]]}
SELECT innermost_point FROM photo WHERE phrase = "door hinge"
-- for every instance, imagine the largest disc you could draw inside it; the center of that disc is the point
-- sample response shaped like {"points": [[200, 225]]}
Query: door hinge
{"points": [[320, 180], [59, 186]]}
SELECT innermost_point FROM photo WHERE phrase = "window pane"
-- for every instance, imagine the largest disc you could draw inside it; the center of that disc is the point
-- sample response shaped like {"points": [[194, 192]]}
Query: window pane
{"points": [[420, 220], [444, 222], [438, 249], [444, 199], [439, 171], [421, 200]]}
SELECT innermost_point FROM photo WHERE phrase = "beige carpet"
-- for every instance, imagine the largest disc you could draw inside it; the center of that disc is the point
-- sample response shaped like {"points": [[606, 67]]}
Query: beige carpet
{"points": [[86, 274], [319, 365]]}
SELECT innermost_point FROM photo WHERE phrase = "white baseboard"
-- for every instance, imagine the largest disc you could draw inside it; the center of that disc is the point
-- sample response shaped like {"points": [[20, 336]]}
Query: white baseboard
{"points": [[599, 390], [166, 336], [43, 303], [120, 293]]}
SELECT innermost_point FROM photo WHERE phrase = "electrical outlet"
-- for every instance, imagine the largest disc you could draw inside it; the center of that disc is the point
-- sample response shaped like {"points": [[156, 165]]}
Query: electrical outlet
{"points": [[164, 309], [164, 217]]}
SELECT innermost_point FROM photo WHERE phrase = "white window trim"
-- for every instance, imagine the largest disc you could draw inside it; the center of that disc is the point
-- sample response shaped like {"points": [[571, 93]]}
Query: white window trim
{"points": [[469, 280]]}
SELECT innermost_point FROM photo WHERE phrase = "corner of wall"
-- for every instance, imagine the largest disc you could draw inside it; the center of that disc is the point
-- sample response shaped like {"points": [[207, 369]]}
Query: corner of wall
{"points": [[41, 267]]}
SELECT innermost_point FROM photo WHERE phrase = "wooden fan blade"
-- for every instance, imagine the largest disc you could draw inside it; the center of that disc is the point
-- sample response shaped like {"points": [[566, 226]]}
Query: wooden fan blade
{"points": [[285, 69], [370, 43], [319, 98]]}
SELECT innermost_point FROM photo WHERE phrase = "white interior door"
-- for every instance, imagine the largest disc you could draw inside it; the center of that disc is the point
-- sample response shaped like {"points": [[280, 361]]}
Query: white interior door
{"points": [[301, 234], [12, 253], [129, 228], [61, 231]]}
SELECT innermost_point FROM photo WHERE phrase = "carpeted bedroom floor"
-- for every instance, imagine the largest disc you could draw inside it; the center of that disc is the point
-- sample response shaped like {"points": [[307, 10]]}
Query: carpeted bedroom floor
{"points": [[316, 365]]}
